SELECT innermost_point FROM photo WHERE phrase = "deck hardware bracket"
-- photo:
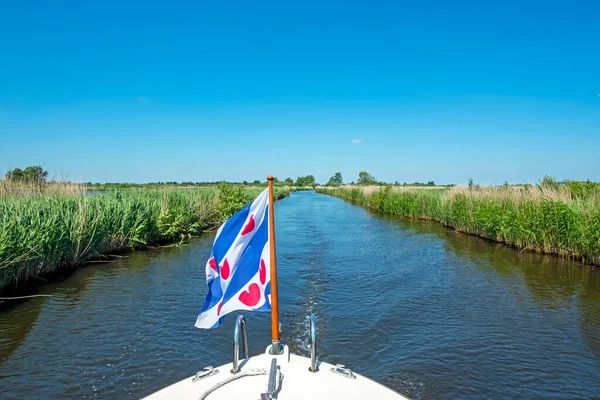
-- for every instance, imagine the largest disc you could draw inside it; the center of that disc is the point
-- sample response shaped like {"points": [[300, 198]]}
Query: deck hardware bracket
{"points": [[274, 385], [208, 371], [240, 325], [341, 369], [313, 344]]}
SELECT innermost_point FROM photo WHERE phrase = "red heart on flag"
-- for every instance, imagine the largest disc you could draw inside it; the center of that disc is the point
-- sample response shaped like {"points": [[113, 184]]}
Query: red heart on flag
{"points": [[225, 269], [252, 296], [212, 263], [219, 308], [249, 226], [262, 272]]}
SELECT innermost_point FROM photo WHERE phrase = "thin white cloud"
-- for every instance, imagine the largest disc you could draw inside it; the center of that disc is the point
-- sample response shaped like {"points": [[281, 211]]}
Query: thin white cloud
{"points": [[357, 141]]}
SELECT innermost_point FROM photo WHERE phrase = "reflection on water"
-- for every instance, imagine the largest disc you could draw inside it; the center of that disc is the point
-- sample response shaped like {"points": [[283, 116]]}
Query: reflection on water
{"points": [[552, 282], [13, 331], [428, 311]]}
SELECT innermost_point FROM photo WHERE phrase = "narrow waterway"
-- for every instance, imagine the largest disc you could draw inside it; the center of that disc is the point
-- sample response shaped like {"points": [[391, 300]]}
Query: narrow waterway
{"points": [[430, 312]]}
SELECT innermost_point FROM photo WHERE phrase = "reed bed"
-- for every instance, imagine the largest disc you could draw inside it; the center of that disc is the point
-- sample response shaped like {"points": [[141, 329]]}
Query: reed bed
{"points": [[10, 188], [554, 220], [42, 231]]}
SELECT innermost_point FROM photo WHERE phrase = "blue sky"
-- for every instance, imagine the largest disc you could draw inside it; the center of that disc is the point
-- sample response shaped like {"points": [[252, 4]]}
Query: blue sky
{"points": [[409, 91]]}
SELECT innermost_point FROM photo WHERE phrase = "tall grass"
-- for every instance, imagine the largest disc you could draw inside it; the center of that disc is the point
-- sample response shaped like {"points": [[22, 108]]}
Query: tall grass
{"points": [[554, 220], [9, 188], [41, 232]]}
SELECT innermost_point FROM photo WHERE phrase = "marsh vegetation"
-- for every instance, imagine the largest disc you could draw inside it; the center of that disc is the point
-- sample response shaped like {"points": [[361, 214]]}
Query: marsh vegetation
{"points": [[551, 217], [48, 226]]}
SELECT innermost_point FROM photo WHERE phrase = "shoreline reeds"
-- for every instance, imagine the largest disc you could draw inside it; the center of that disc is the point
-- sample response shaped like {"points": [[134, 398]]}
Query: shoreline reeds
{"points": [[48, 227], [561, 220]]}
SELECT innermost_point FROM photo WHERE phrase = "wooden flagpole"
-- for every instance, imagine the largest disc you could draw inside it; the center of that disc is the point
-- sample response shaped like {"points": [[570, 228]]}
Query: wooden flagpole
{"points": [[275, 348]]}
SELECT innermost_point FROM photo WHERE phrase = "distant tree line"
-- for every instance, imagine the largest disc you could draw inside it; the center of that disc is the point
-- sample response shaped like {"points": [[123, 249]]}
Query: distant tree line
{"points": [[364, 178], [37, 174], [31, 174], [430, 183], [367, 179], [301, 181]]}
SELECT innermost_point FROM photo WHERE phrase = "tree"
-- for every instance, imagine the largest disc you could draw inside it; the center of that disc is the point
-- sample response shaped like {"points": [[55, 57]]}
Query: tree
{"points": [[15, 175], [256, 182], [30, 174], [336, 180], [308, 180], [549, 182], [365, 178], [288, 181], [431, 183]]}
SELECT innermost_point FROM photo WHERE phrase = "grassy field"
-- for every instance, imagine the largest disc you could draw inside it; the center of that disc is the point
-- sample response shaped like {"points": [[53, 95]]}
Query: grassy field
{"points": [[51, 226], [554, 219]]}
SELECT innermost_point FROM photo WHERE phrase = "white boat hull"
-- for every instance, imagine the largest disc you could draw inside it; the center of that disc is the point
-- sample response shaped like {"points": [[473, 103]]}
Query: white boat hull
{"points": [[295, 382]]}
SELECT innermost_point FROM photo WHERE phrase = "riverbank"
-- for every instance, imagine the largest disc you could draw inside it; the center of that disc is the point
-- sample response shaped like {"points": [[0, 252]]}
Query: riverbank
{"points": [[42, 232], [553, 220]]}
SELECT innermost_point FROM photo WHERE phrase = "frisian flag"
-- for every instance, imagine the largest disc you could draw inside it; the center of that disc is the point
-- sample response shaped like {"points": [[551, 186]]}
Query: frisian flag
{"points": [[238, 270]]}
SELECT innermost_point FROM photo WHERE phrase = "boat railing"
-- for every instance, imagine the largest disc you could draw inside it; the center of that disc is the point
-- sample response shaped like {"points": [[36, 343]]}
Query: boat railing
{"points": [[240, 324], [313, 343]]}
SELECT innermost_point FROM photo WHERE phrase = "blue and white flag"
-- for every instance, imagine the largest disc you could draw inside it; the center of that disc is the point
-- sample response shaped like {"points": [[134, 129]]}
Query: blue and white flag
{"points": [[238, 270]]}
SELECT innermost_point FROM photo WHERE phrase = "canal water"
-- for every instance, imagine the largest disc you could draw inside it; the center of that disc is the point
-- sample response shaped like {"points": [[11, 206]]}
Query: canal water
{"points": [[430, 312]]}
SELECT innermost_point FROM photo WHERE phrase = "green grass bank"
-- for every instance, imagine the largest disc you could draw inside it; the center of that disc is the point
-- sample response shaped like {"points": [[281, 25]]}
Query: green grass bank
{"points": [[42, 231], [562, 220]]}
